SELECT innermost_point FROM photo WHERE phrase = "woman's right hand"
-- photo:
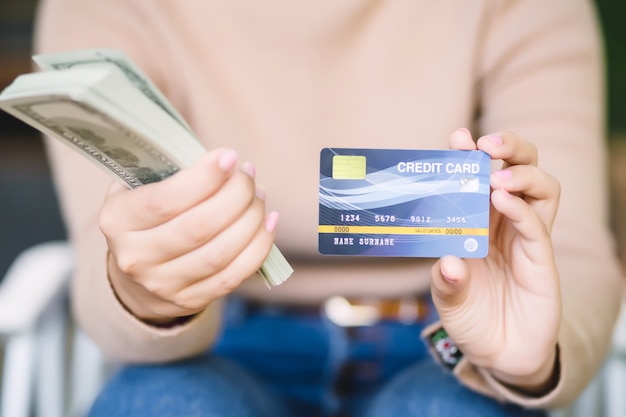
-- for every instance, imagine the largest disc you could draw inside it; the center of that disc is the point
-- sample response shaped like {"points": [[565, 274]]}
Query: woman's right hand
{"points": [[178, 244]]}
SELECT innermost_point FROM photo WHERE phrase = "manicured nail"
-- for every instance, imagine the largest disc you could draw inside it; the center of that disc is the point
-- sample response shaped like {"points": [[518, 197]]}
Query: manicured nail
{"points": [[506, 193], [447, 277], [462, 134], [504, 174], [260, 193], [271, 221], [495, 139], [249, 169], [227, 160], [464, 131]]}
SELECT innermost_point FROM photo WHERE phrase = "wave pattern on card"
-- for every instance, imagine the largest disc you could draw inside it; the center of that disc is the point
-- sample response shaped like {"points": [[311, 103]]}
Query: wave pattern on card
{"points": [[404, 203]]}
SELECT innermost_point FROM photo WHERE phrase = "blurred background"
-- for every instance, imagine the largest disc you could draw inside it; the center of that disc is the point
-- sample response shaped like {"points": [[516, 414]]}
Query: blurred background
{"points": [[28, 209]]}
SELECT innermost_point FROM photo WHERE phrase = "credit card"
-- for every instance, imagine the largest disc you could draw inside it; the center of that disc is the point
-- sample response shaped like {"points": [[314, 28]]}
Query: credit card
{"points": [[404, 203]]}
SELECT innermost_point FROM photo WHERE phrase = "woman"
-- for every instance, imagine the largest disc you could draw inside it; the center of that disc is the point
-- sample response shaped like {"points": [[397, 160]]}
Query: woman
{"points": [[164, 283]]}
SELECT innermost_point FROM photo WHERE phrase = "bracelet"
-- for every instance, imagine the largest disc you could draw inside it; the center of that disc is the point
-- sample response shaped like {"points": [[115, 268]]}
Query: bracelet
{"points": [[444, 347]]}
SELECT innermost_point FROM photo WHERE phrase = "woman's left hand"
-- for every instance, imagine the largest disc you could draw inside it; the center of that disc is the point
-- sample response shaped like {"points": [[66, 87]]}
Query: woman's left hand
{"points": [[504, 311]]}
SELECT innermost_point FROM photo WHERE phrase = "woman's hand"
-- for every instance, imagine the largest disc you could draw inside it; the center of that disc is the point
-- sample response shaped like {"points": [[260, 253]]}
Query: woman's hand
{"points": [[177, 245], [504, 311]]}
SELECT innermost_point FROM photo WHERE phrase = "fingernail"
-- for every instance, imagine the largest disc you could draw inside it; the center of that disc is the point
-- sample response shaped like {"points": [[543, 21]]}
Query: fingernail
{"points": [[260, 193], [495, 139], [504, 174], [271, 221], [249, 169], [464, 131], [506, 193], [447, 277], [227, 160]]}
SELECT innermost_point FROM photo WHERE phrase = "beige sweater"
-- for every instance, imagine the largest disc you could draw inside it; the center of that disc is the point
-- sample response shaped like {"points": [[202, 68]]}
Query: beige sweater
{"points": [[278, 80]]}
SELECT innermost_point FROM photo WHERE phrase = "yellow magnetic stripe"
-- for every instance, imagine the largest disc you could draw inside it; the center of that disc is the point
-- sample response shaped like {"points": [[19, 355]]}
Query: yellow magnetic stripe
{"points": [[403, 230]]}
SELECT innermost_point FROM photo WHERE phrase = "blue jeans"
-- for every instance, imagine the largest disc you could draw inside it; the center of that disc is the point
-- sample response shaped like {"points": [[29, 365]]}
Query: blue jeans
{"points": [[269, 362]]}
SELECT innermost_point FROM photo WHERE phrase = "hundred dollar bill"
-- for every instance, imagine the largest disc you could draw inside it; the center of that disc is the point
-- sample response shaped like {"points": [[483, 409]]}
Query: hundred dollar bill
{"points": [[99, 113], [107, 58]]}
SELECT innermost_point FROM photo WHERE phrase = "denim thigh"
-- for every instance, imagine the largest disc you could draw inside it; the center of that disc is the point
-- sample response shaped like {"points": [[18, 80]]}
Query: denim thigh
{"points": [[426, 389], [199, 387], [275, 362]]}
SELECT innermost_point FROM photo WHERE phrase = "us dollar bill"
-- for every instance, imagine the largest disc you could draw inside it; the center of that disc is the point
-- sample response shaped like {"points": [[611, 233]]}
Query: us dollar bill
{"points": [[122, 152], [115, 58], [101, 114]]}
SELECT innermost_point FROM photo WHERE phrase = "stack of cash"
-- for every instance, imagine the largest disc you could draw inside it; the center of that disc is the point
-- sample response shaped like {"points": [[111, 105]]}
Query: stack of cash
{"points": [[100, 104]]}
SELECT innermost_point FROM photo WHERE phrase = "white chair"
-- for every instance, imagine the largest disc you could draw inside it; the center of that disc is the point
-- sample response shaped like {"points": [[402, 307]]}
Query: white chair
{"points": [[38, 377], [614, 376]]}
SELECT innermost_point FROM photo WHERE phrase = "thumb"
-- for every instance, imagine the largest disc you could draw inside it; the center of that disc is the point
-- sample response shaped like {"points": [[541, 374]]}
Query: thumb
{"points": [[449, 285]]}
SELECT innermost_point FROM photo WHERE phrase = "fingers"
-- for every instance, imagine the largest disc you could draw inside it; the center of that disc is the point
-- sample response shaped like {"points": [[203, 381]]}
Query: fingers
{"points": [[150, 237], [449, 284], [522, 178], [214, 255], [169, 290], [193, 228], [205, 223], [176, 298], [528, 198], [156, 203], [461, 140], [508, 147], [524, 194], [538, 189], [178, 289], [242, 267]]}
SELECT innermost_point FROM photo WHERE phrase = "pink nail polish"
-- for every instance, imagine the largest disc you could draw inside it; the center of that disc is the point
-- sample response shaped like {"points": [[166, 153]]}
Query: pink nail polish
{"points": [[227, 160], [447, 277], [249, 169], [495, 139], [504, 174], [271, 221], [464, 131], [461, 134], [506, 193]]}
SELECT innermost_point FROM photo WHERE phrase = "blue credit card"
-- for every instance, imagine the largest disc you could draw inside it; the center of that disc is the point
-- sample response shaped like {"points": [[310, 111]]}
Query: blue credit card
{"points": [[404, 203]]}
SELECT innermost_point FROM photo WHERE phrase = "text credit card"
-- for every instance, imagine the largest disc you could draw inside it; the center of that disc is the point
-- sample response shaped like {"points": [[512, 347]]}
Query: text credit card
{"points": [[405, 203]]}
